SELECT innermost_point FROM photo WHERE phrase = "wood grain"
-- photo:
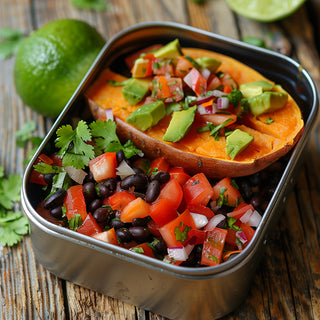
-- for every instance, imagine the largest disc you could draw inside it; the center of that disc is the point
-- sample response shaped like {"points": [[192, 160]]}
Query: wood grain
{"points": [[287, 283]]}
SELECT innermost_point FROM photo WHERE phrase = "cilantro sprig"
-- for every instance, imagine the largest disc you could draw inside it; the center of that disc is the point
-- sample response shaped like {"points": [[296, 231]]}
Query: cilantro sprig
{"points": [[11, 41], [12, 224]]}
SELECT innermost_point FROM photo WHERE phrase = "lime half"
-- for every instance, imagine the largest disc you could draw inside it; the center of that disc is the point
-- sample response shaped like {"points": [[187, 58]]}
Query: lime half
{"points": [[264, 10]]}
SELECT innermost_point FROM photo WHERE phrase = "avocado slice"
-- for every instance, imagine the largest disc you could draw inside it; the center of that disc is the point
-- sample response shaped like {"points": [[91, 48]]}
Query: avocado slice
{"points": [[135, 90], [209, 63], [237, 141], [267, 102], [179, 124], [169, 51], [251, 89], [147, 116]]}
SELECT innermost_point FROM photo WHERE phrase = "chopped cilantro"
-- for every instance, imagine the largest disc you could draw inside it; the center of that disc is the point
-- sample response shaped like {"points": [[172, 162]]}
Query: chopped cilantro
{"points": [[214, 130], [222, 199], [244, 106], [118, 83], [181, 235], [137, 249], [195, 182], [231, 223], [234, 97], [213, 258], [269, 121], [75, 222], [45, 168]]}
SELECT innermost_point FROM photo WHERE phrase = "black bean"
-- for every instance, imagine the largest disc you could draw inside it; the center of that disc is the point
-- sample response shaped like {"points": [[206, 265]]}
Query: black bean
{"points": [[111, 184], [137, 170], [138, 181], [245, 189], [140, 234], [124, 235], [94, 205], [56, 212], [139, 222], [161, 176], [117, 214], [222, 223], [153, 191], [255, 179], [89, 191], [88, 178], [102, 190], [256, 200], [116, 223], [55, 200], [48, 178], [101, 214], [159, 245], [120, 156]]}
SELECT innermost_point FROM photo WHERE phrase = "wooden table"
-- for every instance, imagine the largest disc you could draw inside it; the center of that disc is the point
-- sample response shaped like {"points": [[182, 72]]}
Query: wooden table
{"points": [[287, 284]]}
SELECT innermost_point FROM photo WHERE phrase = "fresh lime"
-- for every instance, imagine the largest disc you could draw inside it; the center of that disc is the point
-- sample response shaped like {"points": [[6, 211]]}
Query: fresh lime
{"points": [[264, 10], [52, 61]]}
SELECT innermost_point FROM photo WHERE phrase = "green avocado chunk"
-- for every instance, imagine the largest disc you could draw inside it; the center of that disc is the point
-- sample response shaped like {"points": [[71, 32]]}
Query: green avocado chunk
{"points": [[169, 51], [147, 116], [237, 141], [209, 63], [267, 102], [251, 89], [179, 124], [135, 90]]}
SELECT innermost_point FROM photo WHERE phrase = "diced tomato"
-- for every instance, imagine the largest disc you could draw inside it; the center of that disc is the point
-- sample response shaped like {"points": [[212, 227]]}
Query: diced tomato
{"points": [[231, 194], [162, 67], [240, 210], [199, 235], [129, 60], [201, 209], [159, 164], [137, 208], [173, 192], [217, 118], [168, 89], [103, 166], [163, 211], [120, 199], [75, 202], [229, 83], [89, 226], [179, 174], [176, 232], [231, 239], [248, 231], [183, 67], [213, 247], [197, 190], [107, 236], [169, 260], [37, 177], [143, 248], [196, 82], [213, 83]]}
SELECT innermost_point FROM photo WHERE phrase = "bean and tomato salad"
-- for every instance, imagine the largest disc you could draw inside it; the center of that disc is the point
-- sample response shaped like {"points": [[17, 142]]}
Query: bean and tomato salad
{"points": [[155, 209]]}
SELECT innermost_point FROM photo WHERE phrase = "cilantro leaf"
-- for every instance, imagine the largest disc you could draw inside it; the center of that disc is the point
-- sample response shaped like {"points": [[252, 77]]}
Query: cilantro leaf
{"points": [[12, 228], [45, 168], [234, 97], [75, 222], [10, 44], [9, 190], [74, 149], [269, 121], [24, 134], [98, 5]]}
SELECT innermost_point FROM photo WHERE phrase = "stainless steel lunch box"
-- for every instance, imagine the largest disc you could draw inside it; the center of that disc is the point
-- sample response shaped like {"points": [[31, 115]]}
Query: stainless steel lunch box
{"points": [[172, 291]]}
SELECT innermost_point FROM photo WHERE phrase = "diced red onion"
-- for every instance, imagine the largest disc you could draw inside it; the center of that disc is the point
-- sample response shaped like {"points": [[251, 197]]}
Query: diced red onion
{"points": [[218, 93], [124, 170], [180, 253], [254, 219], [188, 79], [246, 217], [109, 114], [205, 73], [214, 221], [208, 109], [200, 220], [242, 239], [76, 175], [214, 207], [222, 103]]}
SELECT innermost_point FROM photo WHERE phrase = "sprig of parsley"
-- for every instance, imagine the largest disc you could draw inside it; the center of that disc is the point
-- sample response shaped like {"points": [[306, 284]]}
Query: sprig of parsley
{"points": [[12, 224], [74, 147]]}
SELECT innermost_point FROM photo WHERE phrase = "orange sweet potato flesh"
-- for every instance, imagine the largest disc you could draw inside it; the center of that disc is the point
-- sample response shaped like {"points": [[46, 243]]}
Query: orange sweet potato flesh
{"points": [[201, 152]]}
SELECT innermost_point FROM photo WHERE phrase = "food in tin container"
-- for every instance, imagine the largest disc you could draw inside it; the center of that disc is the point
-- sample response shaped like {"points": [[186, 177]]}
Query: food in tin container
{"points": [[104, 189], [199, 109]]}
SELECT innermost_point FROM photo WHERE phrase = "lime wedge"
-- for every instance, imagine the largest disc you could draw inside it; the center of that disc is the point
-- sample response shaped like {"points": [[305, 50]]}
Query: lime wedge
{"points": [[264, 10]]}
